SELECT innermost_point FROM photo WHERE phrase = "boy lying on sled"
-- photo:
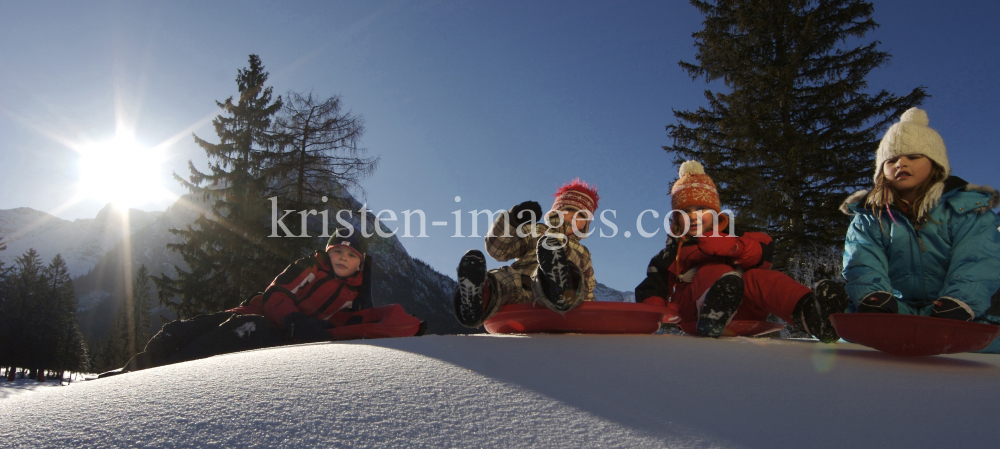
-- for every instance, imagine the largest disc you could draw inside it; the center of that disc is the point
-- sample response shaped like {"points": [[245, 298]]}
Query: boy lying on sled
{"points": [[324, 297]]}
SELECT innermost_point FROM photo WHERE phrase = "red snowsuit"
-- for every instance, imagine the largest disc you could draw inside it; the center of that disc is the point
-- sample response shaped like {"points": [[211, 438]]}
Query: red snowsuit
{"points": [[310, 286], [670, 276]]}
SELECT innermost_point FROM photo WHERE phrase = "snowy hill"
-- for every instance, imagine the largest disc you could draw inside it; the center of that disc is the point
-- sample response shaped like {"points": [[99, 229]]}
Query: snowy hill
{"points": [[81, 242], [519, 391]]}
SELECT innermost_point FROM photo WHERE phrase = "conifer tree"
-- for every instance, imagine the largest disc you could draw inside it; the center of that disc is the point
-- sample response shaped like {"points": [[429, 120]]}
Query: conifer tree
{"points": [[6, 314], [320, 163], [22, 328], [321, 149], [68, 350], [227, 253], [141, 298], [797, 129], [129, 326]]}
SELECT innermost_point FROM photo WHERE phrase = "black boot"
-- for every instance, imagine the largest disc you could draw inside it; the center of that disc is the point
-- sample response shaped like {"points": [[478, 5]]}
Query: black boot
{"points": [[812, 313], [469, 296], [558, 277], [721, 302]]}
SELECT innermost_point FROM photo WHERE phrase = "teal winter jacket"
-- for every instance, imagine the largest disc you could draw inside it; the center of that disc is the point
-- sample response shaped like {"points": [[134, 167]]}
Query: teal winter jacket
{"points": [[955, 254]]}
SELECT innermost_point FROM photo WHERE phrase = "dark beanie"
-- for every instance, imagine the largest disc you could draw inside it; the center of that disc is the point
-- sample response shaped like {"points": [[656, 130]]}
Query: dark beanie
{"points": [[348, 237]]}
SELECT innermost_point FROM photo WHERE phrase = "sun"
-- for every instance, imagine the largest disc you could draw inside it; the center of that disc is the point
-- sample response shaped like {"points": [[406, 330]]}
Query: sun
{"points": [[120, 171]]}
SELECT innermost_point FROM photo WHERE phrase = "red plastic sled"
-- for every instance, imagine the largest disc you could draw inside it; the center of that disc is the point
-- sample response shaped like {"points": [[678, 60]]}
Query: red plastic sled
{"points": [[747, 328], [592, 317], [377, 322], [911, 335]]}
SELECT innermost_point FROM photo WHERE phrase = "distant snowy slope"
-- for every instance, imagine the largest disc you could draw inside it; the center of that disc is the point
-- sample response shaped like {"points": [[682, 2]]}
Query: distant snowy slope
{"points": [[81, 242], [537, 391]]}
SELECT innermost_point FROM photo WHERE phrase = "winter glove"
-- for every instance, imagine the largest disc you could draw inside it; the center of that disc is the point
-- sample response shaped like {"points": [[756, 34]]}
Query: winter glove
{"points": [[526, 212], [952, 309], [305, 329], [747, 251], [878, 302]]}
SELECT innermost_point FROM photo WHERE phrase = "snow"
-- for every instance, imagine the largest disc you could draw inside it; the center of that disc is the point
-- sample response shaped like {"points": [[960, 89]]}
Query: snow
{"points": [[539, 390], [21, 386]]}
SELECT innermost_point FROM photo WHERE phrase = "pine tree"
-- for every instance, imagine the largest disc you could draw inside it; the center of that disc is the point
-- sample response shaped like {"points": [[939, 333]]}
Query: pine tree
{"points": [[129, 326], [22, 324], [141, 302], [797, 130], [320, 163], [321, 152], [69, 352], [6, 315], [227, 253]]}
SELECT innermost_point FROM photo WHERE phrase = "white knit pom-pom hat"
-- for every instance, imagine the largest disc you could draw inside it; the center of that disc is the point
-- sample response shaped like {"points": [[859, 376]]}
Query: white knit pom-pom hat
{"points": [[911, 135]]}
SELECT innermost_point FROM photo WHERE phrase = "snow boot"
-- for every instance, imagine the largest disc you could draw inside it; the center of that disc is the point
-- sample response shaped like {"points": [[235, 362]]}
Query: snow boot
{"points": [[473, 289], [812, 312], [722, 300], [558, 278]]}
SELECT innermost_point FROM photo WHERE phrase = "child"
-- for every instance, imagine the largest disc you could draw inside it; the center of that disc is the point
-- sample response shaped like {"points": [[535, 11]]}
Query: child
{"points": [[316, 298], [550, 265], [712, 278], [922, 242]]}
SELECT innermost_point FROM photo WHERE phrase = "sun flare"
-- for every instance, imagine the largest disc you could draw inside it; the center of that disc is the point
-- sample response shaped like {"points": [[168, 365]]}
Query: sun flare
{"points": [[120, 171]]}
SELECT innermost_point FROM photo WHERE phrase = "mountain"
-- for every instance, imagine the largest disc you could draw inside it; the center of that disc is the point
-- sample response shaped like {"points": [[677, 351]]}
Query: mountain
{"points": [[604, 293], [81, 242]]}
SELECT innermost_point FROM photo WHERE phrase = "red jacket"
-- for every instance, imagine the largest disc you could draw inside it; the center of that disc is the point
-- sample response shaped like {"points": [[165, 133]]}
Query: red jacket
{"points": [[751, 250], [310, 286]]}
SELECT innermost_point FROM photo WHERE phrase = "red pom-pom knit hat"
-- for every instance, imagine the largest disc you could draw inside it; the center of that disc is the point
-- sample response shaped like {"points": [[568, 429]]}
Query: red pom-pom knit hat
{"points": [[577, 195]]}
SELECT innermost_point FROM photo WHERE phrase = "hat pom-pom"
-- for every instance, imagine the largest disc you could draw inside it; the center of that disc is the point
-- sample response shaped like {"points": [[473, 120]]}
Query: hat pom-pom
{"points": [[691, 168], [915, 115]]}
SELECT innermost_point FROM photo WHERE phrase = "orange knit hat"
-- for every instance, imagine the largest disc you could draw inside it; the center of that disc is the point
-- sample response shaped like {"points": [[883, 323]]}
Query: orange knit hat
{"points": [[694, 188]]}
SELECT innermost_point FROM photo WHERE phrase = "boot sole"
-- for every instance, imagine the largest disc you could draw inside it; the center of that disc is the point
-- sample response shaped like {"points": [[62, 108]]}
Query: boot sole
{"points": [[724, 297], [554, 273], [471, 279]]}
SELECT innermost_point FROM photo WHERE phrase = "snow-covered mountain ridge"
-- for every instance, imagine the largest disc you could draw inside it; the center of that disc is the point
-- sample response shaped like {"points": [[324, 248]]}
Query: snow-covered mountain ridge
{"points": [[81, 242]]}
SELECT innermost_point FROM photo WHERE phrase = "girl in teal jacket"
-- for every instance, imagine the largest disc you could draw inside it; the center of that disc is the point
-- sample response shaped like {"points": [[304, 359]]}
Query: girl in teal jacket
{"points": [[922, 242]]}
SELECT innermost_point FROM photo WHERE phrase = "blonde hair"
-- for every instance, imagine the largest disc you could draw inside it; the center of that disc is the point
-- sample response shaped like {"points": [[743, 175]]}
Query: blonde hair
{"points": [[883, 195]]}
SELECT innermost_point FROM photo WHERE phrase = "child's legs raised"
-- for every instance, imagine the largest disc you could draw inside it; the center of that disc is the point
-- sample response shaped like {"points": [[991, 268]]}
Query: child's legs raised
{"points": [[510, 286], [773, 292]]}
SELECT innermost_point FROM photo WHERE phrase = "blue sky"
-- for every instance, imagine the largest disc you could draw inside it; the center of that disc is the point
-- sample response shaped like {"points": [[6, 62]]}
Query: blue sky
{"points": [[495, 102]]}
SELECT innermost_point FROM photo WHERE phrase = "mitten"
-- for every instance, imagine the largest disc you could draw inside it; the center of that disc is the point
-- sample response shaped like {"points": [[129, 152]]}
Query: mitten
{"points": [[952, 309], [526, 212], [878, 302], [305, 329], [720, 245]]}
